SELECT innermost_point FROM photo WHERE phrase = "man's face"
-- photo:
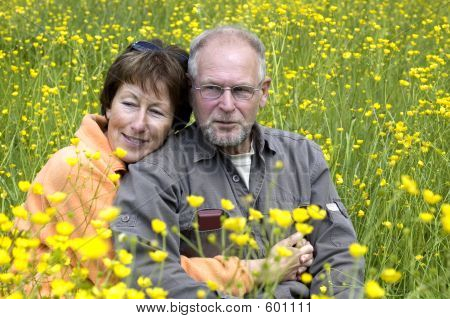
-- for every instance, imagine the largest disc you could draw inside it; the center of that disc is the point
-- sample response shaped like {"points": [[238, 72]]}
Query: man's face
{"points": [[227, 121]]}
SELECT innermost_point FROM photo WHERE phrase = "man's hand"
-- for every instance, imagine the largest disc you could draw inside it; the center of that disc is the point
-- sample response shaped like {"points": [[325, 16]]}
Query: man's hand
{"points": [[277, 267]]}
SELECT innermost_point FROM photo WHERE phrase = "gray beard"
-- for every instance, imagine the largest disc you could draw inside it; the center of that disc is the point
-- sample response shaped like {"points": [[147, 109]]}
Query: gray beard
{"points": [[210, 135]]}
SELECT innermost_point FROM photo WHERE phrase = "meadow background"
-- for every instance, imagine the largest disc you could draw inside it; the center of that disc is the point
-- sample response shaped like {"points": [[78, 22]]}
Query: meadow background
{"points": [[367, 80]]}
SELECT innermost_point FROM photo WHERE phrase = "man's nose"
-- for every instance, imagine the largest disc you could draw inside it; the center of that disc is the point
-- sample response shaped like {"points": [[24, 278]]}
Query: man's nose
{"points": [[227, 101]]}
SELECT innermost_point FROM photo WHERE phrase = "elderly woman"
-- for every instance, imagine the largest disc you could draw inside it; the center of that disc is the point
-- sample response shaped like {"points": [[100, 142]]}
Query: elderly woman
{"points": [[143, 100]]}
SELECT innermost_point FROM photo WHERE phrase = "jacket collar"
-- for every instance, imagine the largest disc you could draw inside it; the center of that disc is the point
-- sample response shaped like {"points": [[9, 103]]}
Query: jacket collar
{"points": [[92, 134]]}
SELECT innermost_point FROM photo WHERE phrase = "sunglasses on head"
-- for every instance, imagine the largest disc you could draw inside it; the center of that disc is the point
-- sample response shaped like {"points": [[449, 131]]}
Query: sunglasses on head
{"points": [[143, 46]]}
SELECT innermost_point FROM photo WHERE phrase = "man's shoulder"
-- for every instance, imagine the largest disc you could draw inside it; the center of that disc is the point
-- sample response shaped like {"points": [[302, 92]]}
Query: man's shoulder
{"points": [[177, 149], [283, 140]]}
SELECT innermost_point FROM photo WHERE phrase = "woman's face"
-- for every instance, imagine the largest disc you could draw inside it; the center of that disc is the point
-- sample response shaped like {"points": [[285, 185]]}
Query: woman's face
{"points": [[139, 121]]}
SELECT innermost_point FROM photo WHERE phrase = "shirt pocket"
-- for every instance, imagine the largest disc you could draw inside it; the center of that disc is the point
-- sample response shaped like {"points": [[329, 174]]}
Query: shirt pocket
{"points": [[210, 241]]}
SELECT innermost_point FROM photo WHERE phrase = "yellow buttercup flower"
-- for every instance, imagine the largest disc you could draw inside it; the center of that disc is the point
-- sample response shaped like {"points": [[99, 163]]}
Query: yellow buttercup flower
{"points": [[279, 165], [24, 186], [227, 204], [304, 229], [57, 197], [445, 219], [404, 83], [201, 294], [114, 177], [426, 217], [158, 255], [121, 270], [283, 251], [120, 152], [37, 188], [156, 293], [144, 282], [357, 250], [109, 214], [282, 218], [409, 185], [15, 295], [20, 212], [5, 242], [159, 226], [235, 224], [90, 247], [306, 278], [240, 240], [391, 275], [135, 294], [74, 141], [445, 209], [125, 257], [373, 290], [64, 228], [195, 201], [4, 257], [430, 197], [117, 291], [300, 215], [212, 285], [316, 213], [72, 161], [40, 218], [96, 156], [254, 214], [60, 287]]}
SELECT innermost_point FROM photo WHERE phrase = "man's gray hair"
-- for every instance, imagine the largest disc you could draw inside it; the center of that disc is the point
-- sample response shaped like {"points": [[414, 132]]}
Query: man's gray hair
{"points": [[228, 31]]}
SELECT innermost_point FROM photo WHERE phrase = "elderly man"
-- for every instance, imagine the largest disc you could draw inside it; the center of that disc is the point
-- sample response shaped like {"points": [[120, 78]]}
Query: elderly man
{"points": [[226, 154]]}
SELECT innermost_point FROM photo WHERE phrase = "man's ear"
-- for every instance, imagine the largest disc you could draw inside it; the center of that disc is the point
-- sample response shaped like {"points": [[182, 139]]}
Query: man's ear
{"points": [[265, 92]]}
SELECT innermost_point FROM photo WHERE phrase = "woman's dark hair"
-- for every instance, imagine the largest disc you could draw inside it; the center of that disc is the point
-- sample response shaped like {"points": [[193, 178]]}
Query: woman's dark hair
{"points": [[151, 65]]}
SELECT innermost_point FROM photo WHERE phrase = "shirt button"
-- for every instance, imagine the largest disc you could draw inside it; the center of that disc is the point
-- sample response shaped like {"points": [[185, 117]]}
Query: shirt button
{"points": [[125, 218], [236, 178]]}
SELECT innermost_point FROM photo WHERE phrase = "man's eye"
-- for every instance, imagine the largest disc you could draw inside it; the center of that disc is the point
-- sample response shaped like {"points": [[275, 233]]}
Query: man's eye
{"points": [[242, 89], [130, 104], [212, 88]]}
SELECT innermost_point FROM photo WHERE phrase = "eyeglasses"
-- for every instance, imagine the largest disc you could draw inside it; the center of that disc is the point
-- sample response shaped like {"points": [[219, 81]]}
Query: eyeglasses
{"points": [[239, 92], [143, 46]]}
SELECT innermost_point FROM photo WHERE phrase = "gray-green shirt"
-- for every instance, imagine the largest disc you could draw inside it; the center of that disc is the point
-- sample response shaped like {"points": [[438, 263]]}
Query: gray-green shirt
{"points": [[157, 186]]}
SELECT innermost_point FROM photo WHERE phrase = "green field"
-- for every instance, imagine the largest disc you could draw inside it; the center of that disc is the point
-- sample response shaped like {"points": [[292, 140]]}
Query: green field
{"points": [[367, 80]]}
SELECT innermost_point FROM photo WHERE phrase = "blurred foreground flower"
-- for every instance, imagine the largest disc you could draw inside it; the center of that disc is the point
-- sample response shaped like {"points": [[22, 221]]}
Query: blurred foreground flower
{"points": [[159, 226], [357, 250], [195, 201], [158, 255], [390, 275], [430, 197], [90, 247], [373, 290], [409, 185], [120, 152]]}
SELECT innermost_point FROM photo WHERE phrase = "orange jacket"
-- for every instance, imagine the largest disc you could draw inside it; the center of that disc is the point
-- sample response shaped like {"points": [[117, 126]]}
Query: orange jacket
{"points": [[89, 190]]}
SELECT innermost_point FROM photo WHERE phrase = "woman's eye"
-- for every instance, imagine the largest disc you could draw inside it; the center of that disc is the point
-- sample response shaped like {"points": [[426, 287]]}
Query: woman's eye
{"points": [[155, 112], [130, 104]]}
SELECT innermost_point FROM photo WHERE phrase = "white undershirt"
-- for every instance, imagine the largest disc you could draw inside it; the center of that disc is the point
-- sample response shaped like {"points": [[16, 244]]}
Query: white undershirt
{"points": [[243, 163]]}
